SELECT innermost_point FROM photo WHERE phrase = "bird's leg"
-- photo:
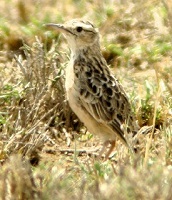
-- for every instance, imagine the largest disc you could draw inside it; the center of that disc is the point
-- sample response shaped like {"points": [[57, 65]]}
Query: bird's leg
{"points": [[106, 143], [112, 143]]}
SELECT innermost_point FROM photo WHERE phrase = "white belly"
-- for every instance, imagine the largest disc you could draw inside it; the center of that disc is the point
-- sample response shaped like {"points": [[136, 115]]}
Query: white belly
{"points": [[95, 127]]}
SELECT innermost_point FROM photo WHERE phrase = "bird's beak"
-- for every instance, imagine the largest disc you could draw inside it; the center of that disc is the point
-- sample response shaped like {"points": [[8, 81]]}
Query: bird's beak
{"points": [[58, 27]]}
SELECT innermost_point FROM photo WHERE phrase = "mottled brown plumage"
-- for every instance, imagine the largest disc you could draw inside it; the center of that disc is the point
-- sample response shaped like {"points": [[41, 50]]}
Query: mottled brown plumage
{"points": [[94, 94]]}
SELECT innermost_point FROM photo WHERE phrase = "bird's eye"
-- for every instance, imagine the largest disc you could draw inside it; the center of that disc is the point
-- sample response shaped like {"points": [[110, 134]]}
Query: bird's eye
{"points": [[79, 29]]}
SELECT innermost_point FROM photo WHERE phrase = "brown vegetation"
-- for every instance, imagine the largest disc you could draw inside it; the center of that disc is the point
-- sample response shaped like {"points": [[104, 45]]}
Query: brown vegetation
{"points": [[45, 152]]}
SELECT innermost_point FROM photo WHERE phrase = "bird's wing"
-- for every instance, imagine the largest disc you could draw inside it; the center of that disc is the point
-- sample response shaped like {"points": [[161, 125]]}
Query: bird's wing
{"points": [[103, 97]]}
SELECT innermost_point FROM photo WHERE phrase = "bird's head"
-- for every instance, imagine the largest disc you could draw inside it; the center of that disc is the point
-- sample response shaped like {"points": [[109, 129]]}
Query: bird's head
{"points": [[79, 33]]}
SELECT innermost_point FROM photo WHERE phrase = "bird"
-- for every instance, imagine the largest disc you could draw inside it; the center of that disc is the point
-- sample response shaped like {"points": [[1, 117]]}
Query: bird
{"points": [[93, 92]]}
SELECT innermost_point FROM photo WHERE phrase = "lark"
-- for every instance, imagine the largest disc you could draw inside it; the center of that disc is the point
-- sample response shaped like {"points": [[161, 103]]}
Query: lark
{"points": [[93, 93]]}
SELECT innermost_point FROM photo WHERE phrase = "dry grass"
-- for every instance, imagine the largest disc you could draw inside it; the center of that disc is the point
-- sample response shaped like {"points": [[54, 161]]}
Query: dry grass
{"points": [[44, 150], [37, 106]]}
